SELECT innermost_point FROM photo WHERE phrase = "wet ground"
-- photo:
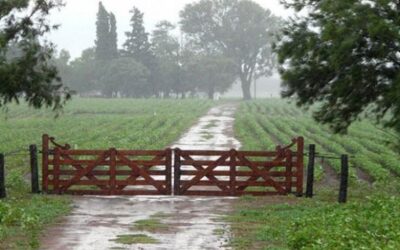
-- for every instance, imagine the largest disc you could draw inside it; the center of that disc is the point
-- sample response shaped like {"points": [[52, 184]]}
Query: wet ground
{"points": [[188, 223]]}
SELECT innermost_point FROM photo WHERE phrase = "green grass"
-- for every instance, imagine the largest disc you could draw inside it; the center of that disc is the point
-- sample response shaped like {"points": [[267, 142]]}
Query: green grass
{"points": [[150, 225], [365, 222], [85, 124], [130, 239]]}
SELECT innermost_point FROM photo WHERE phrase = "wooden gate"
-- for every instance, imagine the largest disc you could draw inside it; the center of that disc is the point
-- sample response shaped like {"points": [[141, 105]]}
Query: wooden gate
{"points": [[235, 173], [105, 172], [196, 172]]}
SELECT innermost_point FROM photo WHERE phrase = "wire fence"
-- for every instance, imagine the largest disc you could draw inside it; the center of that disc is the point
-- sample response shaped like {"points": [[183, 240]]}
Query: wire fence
{"points": [[17, 152]]}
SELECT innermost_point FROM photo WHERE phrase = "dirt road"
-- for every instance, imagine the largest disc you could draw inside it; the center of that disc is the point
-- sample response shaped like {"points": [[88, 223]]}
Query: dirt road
{"points": [[156, 222]]}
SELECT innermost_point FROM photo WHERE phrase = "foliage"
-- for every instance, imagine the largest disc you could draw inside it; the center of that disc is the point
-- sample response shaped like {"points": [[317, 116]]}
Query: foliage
{"points": [[27, 216], [241, 30], [25, 68], [128, 76], [345, 55], [106, 35]]}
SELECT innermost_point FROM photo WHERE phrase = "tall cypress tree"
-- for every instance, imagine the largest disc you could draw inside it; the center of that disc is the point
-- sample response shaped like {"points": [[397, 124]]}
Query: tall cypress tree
{"points": [[113, 36], [103, 34], [137, 43]]}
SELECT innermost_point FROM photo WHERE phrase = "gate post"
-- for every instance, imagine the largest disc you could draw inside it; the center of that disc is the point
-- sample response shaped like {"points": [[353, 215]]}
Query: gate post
{"points": [[34, 169], [310, 172], [289, 165], [344, 176], [300, 166], [2, 178], [177, 172], [45, 163]]}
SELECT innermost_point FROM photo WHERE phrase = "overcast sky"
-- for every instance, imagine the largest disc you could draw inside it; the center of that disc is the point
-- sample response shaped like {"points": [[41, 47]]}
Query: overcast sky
{"points": [[78, 17]]}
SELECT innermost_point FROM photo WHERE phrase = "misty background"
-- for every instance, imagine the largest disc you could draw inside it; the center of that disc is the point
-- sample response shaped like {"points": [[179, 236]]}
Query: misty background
{"points": [[77, 34]]}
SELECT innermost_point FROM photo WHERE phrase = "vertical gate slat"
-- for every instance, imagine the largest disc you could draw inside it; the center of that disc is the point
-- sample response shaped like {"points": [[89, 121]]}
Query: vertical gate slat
{"points": [[232, 177], [177, 172], [56, 171], [113, 171], [45, 163], [289, 171], [168, 169]]}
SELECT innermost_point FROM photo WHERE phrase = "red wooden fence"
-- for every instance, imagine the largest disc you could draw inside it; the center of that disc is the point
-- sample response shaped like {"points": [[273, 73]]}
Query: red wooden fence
{"points": [[105, 172], [148, 172]]}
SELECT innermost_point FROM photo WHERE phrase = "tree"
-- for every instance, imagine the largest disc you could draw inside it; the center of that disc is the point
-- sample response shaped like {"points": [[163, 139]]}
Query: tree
{"points": [[82, 76], [126, 78], [212, 74], [166, 49], [137, 43], [26, 70], [241, 29], [113, 36], [344, 55], [103, 46], [138, 47], [62, 61]]}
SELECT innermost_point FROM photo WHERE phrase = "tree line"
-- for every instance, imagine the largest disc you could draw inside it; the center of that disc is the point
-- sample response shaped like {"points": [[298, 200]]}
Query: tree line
{"points": [[220, 42]]}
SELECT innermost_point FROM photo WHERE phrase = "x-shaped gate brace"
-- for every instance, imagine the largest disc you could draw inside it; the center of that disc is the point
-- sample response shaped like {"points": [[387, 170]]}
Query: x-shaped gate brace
{"points": [[283, 157]]}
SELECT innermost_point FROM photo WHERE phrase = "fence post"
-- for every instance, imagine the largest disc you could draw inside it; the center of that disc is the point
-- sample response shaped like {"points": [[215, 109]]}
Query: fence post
{"points": [[310, 172], [2, 178], [344, 176], [34, 169]]}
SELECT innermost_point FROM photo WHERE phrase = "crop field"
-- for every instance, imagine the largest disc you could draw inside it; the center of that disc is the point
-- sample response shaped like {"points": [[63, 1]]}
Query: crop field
{"points": [[366, 222], [84, 123], [264, 124]]}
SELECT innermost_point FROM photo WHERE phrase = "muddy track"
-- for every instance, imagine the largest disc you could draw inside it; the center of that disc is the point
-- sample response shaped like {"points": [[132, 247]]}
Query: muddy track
{"points": [[183, 222]]}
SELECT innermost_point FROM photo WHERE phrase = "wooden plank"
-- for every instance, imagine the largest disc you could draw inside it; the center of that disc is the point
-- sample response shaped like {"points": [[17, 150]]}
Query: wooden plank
{"points": [[106, 182], [288, 171], [107, 172], [56, 170], [269, 164], [168, 166], [238, 173], [144, 163], [124, 152], [177, 171], [300, 166], [240, 183], [117, 192], [45, 162], [232, 175], [113, 169]]}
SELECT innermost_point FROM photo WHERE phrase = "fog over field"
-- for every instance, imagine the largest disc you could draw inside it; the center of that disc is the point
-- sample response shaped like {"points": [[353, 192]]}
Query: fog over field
{"points": [[78, 17]]}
